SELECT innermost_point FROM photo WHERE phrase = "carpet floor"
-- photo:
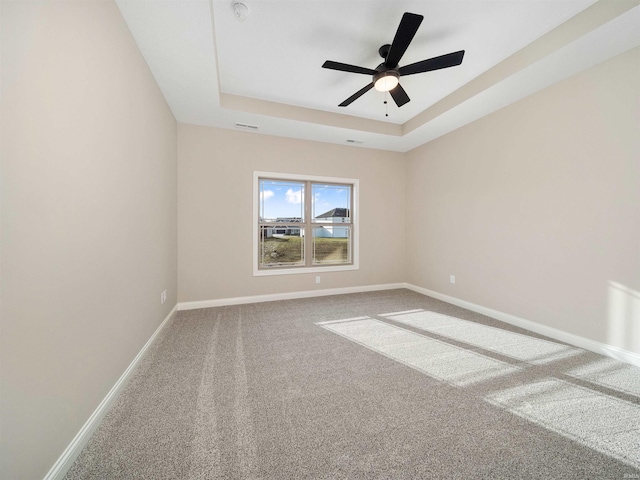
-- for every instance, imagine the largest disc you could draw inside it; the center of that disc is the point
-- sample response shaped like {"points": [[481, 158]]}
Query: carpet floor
{"points": [[390, 384]]}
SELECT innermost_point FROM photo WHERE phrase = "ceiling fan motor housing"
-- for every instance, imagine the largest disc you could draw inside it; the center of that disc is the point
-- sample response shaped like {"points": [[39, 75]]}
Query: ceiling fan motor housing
{"points": [[384, 50]]}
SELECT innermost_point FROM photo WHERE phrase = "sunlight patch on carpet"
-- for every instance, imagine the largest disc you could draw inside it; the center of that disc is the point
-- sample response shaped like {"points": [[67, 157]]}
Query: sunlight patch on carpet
{"points": [[604, 423], [610, 373], [437, 359], [514, 345]]}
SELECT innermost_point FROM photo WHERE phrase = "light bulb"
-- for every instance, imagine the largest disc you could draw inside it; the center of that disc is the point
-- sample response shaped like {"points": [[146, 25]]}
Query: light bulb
{"points": [[386, 81]]}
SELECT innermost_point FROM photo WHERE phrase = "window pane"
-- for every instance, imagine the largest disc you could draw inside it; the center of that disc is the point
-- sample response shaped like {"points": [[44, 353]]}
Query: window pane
{"points": [[331, 203], [281, 201], [332, 245], [281, 245]]}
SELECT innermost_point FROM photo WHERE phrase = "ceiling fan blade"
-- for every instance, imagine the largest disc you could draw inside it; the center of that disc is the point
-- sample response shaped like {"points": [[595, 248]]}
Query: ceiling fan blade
{"points": [[344, 67], [356, 95], [405, 33], [435, 63], [399, 95]]}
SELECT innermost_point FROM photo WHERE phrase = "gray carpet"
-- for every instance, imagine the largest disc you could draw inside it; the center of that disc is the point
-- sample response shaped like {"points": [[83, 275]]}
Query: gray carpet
{"points": [[388, 384]]}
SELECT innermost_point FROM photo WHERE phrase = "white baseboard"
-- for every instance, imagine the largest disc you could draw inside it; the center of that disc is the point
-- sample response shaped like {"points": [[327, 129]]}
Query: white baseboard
{"points": [[221, 302], [556, 334], [560, 335], [67, 458], [63, 464]]}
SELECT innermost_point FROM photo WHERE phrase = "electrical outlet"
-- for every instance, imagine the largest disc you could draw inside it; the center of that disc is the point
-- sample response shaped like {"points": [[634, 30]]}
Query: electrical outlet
{"points": [[317, 278], [163, 297], [452, 279]]}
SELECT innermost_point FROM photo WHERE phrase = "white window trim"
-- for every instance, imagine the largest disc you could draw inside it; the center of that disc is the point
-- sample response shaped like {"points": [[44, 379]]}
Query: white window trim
{"points": [[302, 270]]}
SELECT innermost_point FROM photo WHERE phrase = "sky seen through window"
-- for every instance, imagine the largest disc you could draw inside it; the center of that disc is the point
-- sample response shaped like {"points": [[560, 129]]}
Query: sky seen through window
{"points": [[281, 199]]}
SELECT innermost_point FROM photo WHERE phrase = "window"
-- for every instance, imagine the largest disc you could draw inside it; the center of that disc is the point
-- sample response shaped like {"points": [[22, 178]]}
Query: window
{"points": [[304, 224]]}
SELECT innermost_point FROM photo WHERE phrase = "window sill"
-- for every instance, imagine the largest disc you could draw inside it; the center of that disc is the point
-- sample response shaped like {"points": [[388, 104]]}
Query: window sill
{"points": [[303, 270]]}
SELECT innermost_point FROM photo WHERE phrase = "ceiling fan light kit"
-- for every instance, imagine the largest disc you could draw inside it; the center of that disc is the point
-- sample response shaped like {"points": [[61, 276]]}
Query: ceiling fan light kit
{"points": [[386, 76], [385, 81]]}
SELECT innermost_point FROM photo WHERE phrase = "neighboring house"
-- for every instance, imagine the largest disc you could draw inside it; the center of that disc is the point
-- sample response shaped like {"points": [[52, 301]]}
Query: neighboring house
{"points": [[284, 229], [337, 215]]}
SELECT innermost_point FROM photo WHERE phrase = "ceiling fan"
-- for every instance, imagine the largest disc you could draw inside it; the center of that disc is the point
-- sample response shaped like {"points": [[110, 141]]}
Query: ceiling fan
{"points": [[386, 76]]}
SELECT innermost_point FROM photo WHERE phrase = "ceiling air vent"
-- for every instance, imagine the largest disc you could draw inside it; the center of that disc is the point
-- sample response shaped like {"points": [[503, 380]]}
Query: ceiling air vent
{"points": [[246, 126]]}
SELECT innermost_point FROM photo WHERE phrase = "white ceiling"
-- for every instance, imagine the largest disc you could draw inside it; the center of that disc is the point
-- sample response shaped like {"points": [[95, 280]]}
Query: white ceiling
{"points": [[265, 70]]}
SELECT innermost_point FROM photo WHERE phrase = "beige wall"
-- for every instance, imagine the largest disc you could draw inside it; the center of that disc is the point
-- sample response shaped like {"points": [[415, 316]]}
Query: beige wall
{"points": [[536, 208], [215, 182], [89, 229]]}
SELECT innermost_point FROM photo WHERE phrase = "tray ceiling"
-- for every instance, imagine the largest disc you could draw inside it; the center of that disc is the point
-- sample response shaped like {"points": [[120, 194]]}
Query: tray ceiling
{"points": [[265, 70]]}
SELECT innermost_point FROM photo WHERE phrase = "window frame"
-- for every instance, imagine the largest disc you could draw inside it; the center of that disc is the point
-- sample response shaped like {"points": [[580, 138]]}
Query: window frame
{"points": [[308, 224]]}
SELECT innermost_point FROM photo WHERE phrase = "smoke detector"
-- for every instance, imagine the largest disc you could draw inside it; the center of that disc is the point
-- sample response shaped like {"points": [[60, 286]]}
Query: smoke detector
{"points": [[240, 10]]}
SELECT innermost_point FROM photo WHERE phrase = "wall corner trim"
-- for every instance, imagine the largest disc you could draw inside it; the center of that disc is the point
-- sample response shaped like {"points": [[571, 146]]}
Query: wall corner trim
{"points": [[560, 335], [64, 462]]}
